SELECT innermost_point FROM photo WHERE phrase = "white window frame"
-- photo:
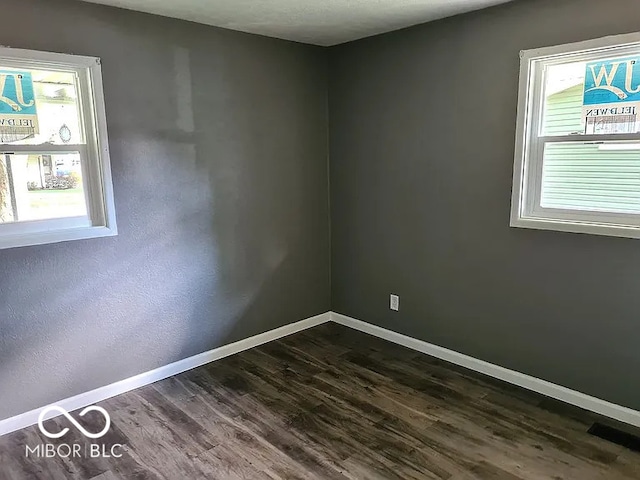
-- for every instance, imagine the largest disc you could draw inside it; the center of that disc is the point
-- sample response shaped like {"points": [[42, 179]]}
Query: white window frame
{"points": [[526, 209], [95, 164]]}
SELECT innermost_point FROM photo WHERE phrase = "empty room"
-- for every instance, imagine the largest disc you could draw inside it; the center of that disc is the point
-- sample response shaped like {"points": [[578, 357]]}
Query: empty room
{"points": [[305, 239]]}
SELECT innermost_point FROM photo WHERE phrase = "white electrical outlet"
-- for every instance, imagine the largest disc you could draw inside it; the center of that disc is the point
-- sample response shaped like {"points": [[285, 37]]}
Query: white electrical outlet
{"points": [[394, 303]]}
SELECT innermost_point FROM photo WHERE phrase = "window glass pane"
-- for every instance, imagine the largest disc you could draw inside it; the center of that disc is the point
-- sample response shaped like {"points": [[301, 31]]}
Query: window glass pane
{"points": [[597, 177], [40, 187], [564, 92], [38, 106], [6, 204], [598, 97]]}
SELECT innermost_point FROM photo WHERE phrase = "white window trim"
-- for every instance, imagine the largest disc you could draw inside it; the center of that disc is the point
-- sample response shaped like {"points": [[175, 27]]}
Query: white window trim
{"points": [[525, 202], [98, 184]]}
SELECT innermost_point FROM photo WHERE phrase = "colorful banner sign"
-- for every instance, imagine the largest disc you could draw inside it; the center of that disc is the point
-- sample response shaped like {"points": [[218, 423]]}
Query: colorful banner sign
{"points": [[611, 101], [17, 102]]}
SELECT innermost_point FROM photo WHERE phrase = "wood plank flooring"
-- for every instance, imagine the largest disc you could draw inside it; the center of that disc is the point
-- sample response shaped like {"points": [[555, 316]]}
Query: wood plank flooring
{"points": [[330, 403]]}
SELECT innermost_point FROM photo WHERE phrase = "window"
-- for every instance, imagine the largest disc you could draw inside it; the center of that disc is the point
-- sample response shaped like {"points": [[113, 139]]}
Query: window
{"points": [[55, 177], [577, 163]]}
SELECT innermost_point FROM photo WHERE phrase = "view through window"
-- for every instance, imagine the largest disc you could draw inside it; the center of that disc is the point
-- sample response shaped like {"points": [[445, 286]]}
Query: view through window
{"points": [[36, 185], [55, 178], [592, 98]]}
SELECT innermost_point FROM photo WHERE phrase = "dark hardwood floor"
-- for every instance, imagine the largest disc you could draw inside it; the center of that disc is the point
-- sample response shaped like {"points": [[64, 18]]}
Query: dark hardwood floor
{"points": [[331, 403]]}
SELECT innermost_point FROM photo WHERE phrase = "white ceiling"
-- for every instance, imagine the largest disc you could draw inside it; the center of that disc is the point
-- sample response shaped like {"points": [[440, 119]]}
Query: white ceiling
{"points": [[320, 22]]}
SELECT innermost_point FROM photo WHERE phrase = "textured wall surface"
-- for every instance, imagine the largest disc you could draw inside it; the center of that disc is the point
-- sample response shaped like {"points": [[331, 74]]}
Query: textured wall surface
{"points": [[221, 197], [422, 142]]}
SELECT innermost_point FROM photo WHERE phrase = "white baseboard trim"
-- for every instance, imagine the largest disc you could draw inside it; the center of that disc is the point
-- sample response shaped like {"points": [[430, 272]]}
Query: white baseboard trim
{"points": [[587, 402], [94, 396]]}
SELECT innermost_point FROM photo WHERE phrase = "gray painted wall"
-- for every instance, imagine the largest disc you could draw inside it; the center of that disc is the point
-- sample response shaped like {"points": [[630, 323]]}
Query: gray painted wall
{"points": [[221, 196], [422, 142]]}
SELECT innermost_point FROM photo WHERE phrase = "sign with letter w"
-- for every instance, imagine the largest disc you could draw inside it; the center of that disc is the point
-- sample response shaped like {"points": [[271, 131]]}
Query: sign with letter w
{"points": [[17, 102], [611, 101]]}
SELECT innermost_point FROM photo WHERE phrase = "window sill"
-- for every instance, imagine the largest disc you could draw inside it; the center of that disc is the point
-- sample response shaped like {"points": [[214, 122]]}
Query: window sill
{"points": [[55, 236], [611, 230]]}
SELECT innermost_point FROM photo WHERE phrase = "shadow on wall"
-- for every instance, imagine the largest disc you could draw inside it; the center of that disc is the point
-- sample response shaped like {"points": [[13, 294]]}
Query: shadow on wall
{"points": [[212, 192]]}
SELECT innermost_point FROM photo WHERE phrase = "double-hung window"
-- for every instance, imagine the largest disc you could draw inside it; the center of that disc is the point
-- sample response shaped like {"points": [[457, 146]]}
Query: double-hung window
{"points": [[577, 162], [55, 177]]}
